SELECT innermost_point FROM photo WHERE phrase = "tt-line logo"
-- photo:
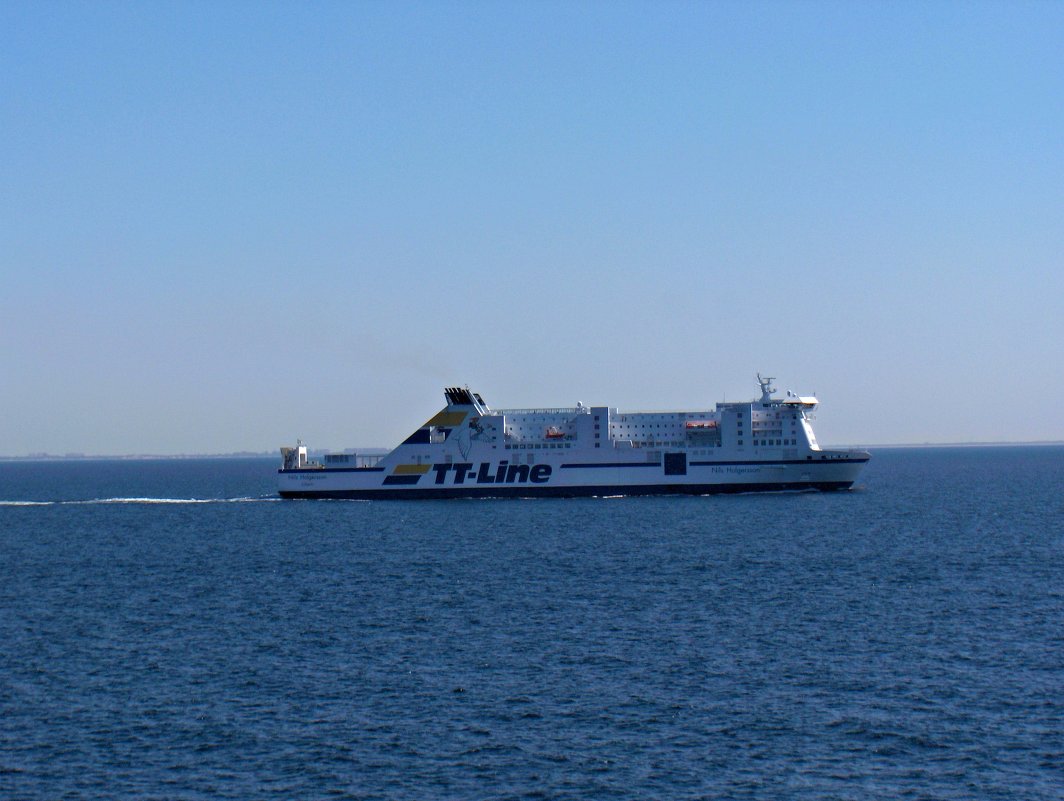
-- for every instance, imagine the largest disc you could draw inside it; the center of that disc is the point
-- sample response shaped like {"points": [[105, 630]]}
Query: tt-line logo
{"points": [[505, 473]]}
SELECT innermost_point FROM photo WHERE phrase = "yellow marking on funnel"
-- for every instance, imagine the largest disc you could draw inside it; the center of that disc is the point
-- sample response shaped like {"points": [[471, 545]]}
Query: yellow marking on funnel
{"points": [[447, 419]]}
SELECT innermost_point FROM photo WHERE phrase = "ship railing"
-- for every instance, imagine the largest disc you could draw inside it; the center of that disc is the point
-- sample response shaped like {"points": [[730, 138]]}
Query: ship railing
{"points": [[570, 410]]}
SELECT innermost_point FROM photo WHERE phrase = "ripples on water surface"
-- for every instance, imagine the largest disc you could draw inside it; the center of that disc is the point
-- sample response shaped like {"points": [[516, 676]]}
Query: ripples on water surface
{"points": [[168, 630]]}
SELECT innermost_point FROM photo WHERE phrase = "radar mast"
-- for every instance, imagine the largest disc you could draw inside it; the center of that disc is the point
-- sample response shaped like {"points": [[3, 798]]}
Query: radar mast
{"points": [[766, 388]]}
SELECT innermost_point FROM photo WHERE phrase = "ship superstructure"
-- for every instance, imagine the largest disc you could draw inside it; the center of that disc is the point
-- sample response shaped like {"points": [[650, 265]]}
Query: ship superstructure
{"points": [[468, 449]]}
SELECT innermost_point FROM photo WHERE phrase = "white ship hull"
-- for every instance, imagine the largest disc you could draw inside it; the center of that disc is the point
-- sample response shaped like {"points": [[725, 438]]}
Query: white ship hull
{"points": [[470, 451]]}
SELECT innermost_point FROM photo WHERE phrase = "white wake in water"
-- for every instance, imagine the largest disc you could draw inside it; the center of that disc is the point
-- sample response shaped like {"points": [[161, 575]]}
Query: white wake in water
{"points": [[96, 501]]}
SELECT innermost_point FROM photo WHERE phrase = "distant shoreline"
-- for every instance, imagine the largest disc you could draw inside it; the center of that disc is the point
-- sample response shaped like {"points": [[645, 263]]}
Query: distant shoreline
{"points": [[78, 457], [82, 457], [1034, 444]]}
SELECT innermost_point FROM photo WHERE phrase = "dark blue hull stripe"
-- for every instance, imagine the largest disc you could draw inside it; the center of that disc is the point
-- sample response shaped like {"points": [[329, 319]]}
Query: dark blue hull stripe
{"points": [[402, 480], [525, 491], [612, 464], [809, 462]]}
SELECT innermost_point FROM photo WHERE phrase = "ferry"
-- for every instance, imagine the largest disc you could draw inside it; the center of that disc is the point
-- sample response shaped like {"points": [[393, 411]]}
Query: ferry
{"points": [[469, 450]]}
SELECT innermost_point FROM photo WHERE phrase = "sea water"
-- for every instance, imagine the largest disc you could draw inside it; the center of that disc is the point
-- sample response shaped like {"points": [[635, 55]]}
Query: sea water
{"points": [[171, 630]]}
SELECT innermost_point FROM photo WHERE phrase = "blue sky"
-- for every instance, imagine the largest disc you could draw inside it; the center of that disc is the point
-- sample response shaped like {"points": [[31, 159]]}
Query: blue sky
{"points": [[226, 225]]}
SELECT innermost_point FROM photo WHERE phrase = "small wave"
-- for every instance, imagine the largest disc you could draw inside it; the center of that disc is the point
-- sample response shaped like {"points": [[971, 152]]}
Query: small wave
{"points": [[27, 503]]}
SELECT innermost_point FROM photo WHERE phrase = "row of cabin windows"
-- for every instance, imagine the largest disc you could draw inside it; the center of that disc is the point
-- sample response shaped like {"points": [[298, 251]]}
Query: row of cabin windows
{"points": [[641, 425], [534, 446]]}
